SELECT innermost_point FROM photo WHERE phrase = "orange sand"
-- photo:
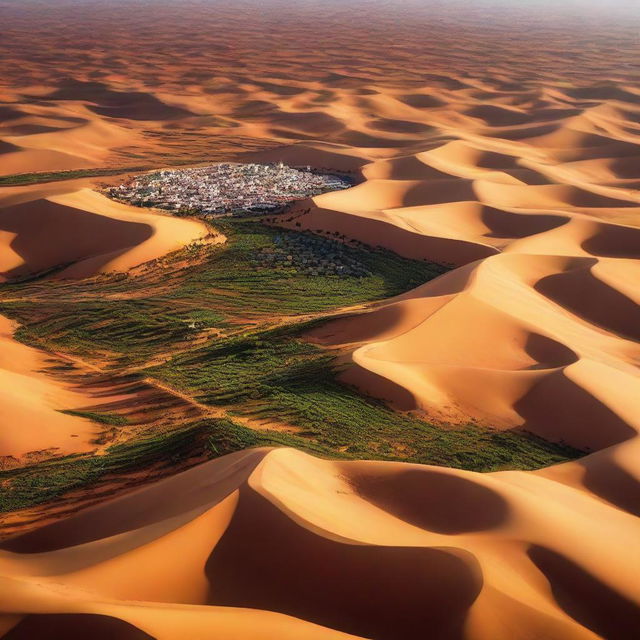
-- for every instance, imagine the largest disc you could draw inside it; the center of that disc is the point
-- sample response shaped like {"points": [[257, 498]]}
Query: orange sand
{"points": [[500, 141]]}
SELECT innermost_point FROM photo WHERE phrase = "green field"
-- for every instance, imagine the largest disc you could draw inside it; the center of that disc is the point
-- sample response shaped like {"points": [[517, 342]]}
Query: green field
{"points": [[278, 376], [20, 179], [134, 319], [228, 335]]}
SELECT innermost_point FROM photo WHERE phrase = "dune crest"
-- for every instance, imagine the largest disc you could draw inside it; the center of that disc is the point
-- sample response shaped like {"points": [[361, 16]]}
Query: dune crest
{"points": [[33, 400], [333, 538], [82, 233], [498, 138]]}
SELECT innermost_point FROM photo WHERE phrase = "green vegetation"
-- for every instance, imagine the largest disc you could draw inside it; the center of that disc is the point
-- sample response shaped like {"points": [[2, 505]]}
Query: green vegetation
{"points": [[222, 289], [130, 330], [191, 443], [102, 418], [55, 176], [275, 375], [229, 280], [215, 324]]}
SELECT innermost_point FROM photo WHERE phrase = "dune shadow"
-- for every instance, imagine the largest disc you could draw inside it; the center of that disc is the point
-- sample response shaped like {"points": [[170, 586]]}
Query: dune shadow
{"points": [[357, 327], [49, 235], [613, 484], [75, 626], [400, 126], [548, 353], [377, 386], [627, 168], [433, 500], [440, 192], [611, 241], [28, 130], [559, 410], [132, 105], [524, 132], [408, 244], [408, 168], [602, 93], [589, 200], [586, 599], [588, 297], [482, 159], [7, 147], [279, 89], [360, 139], [265, 560], [504, 224], [9, 113], [548, 113], [308, 123], [441, 80], [495, 116], [421, 101]]}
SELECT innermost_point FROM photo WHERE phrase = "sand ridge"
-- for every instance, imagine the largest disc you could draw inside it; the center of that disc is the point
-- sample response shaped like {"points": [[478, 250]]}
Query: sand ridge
{"points": [[496, 139], [333, 538], [33, 400], [82, 233]]}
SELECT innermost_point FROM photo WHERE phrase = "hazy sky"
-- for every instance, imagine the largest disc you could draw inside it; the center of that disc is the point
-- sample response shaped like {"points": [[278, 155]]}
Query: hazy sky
{"points": [[480, 11], [566, 7]]}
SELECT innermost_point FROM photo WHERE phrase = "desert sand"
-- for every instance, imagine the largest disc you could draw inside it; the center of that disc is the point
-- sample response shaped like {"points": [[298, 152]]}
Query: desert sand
{"points": [[499, 140], [82, 233]]}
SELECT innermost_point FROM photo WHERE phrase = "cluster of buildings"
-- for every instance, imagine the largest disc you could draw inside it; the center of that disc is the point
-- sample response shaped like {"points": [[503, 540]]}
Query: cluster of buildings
{"points": [[227, 188], [311, 255]]}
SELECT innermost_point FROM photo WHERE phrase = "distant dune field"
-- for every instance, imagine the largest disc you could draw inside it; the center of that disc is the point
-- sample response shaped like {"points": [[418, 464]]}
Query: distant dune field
{"points": [[498, 140]]}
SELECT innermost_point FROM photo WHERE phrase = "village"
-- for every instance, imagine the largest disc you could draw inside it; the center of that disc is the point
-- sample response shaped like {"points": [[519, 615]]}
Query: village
{"points": [[226, 188]]}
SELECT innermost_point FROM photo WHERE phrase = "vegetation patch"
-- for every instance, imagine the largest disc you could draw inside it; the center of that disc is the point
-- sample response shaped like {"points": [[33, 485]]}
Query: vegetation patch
{"points": [[229, 277], [223, 326], [129, 330], [111, 419], [277, 376], [55, 176], [26, 487]]}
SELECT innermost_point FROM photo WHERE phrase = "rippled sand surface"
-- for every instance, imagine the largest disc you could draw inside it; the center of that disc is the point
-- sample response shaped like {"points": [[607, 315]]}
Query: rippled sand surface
{"points": [[503, 141]]}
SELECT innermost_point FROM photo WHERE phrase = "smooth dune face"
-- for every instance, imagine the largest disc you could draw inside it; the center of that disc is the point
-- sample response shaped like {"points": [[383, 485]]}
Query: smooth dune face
{"points": [[502, 140], [276, 543], [81, 233], [30, 403]]}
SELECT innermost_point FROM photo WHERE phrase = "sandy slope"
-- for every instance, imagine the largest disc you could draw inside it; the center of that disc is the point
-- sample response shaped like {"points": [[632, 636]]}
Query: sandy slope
{"points": [[30, 404], [37, 386], [375, 550], [79, 233], [504, 143]]}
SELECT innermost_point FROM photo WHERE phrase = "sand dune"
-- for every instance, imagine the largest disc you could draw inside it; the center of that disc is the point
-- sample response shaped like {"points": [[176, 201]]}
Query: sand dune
{"points": [[82, 233], [455, 374], [486, 136], [33, 400], [334, 537]]}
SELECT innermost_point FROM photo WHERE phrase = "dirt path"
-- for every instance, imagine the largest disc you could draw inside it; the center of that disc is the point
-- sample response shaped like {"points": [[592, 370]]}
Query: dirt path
{"points": [[211, 411]]}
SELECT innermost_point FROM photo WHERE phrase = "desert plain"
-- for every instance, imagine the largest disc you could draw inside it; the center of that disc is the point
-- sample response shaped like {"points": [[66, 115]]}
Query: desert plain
{"points": [[448, 448]]}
